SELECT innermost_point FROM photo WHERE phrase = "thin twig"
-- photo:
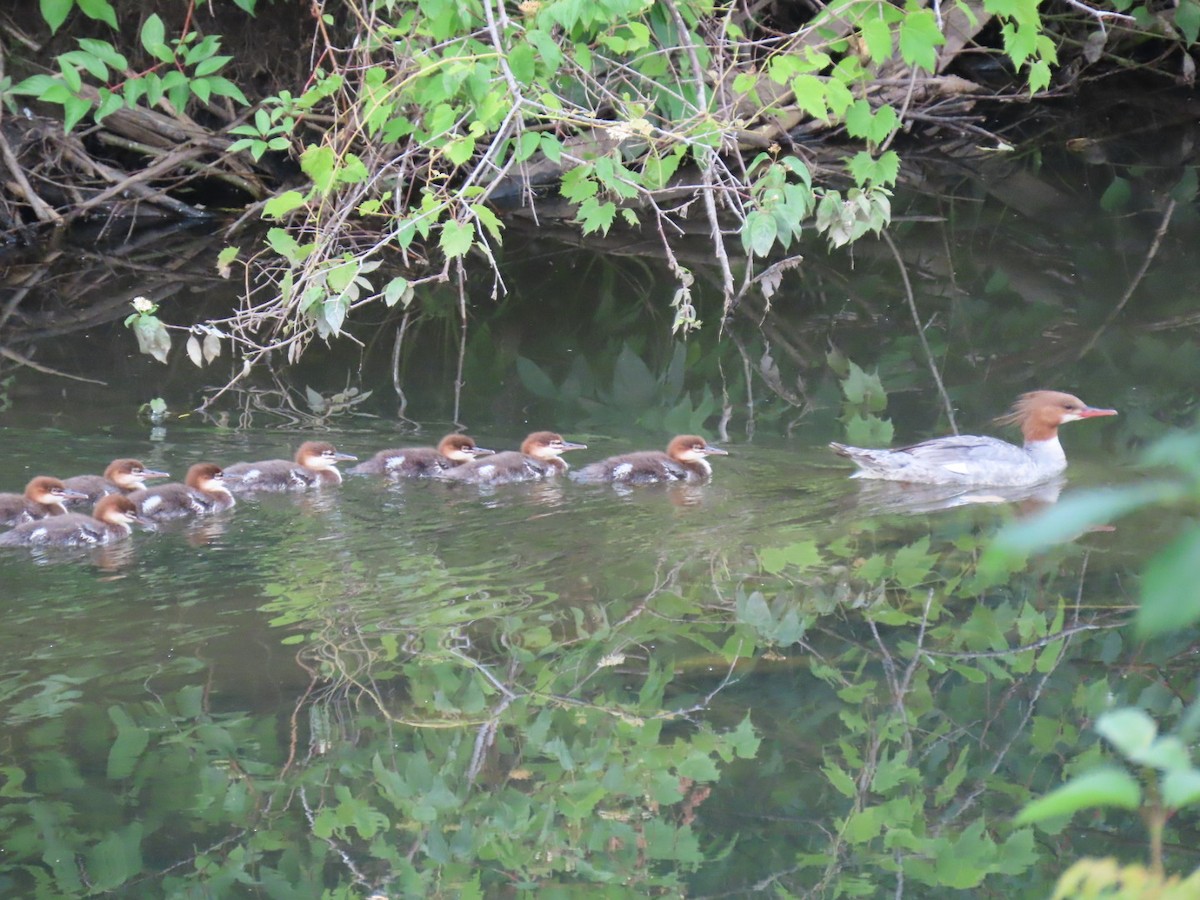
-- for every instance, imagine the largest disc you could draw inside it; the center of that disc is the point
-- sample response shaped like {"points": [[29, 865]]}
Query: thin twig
{"points": [[1137, 279], [26, 361], [912, 306]]}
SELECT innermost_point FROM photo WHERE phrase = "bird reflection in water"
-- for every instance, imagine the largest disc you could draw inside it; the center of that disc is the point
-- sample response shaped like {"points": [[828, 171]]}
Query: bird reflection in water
{"points": [[881, 498]]}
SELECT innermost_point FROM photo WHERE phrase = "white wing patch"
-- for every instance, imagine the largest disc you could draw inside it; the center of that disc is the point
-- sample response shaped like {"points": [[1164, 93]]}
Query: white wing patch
{"points": [[395, 462], [151, 503], [959, 468], [487, 471], [623, 471]]}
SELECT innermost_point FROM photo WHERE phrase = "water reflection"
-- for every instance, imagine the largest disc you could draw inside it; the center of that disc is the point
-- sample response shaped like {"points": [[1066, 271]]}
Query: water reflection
{"points": [[421, 686], [873, 497]]}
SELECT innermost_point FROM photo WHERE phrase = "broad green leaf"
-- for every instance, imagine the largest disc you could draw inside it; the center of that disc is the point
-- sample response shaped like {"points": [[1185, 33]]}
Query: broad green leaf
{"points": [[1129, 730], [522, 64], [759, 233], [456, 238], [919, 35], [1098, 788], [283, 204], [153, 35], [810, 95], [398, 290], [1170, 587], [877, 35], [55, 12], [129, 745], [1181, 787], [318, 164], [799, 556], [100, 10], [1187, 19]]}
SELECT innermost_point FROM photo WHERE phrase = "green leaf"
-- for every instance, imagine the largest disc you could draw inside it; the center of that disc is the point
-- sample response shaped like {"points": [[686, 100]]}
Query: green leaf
{"points": [[131, 742], [1130, 730], [595, 215], [55, 12], [201, 88], [1181, 787], [759, 233], [522, 64], [841, 782], [283, 204], [211, 65], [115, 860], [398, 290], [799, 556], [877, 35], [1098, 788], [74, 109], [456, 238], [919, 35], [318, 164], [100, 10], [1170, 588], [109, 104], [1187, 19], [810, 95], [153, 36]]}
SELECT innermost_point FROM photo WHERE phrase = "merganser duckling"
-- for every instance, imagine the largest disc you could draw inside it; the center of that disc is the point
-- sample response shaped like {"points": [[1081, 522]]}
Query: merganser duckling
{"points": [[537, 459], [44, 496], [422, 462], [970, 459], [315, 465], [121, 477], [683, 461], [202, 493], [109, 522]]}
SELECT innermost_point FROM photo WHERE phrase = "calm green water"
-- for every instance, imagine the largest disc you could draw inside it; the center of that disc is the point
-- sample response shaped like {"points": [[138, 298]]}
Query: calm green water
{"points": [[416, 688]]}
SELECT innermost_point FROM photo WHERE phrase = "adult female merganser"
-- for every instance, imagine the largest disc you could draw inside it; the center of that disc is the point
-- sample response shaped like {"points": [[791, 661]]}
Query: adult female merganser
{"points": [[202, 493], [109, 522], [683, 461], [121, 477], [971, 459], [538, 458], [315, 464], [422, 462], [44, 496]]}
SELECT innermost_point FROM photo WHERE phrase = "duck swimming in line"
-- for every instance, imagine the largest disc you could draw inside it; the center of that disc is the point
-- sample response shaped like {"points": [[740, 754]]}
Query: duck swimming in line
{"points": [[422, 462], [202, 494], [44, 496], [109, 522], [537, 459], [971, 459], [314, 465], [683, 461], [121, 477]]}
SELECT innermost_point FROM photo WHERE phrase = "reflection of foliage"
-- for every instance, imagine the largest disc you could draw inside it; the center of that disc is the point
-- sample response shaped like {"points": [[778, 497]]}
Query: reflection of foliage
{"points": [[864, 397], [477, 727], [608, 775], [656, 403]]}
